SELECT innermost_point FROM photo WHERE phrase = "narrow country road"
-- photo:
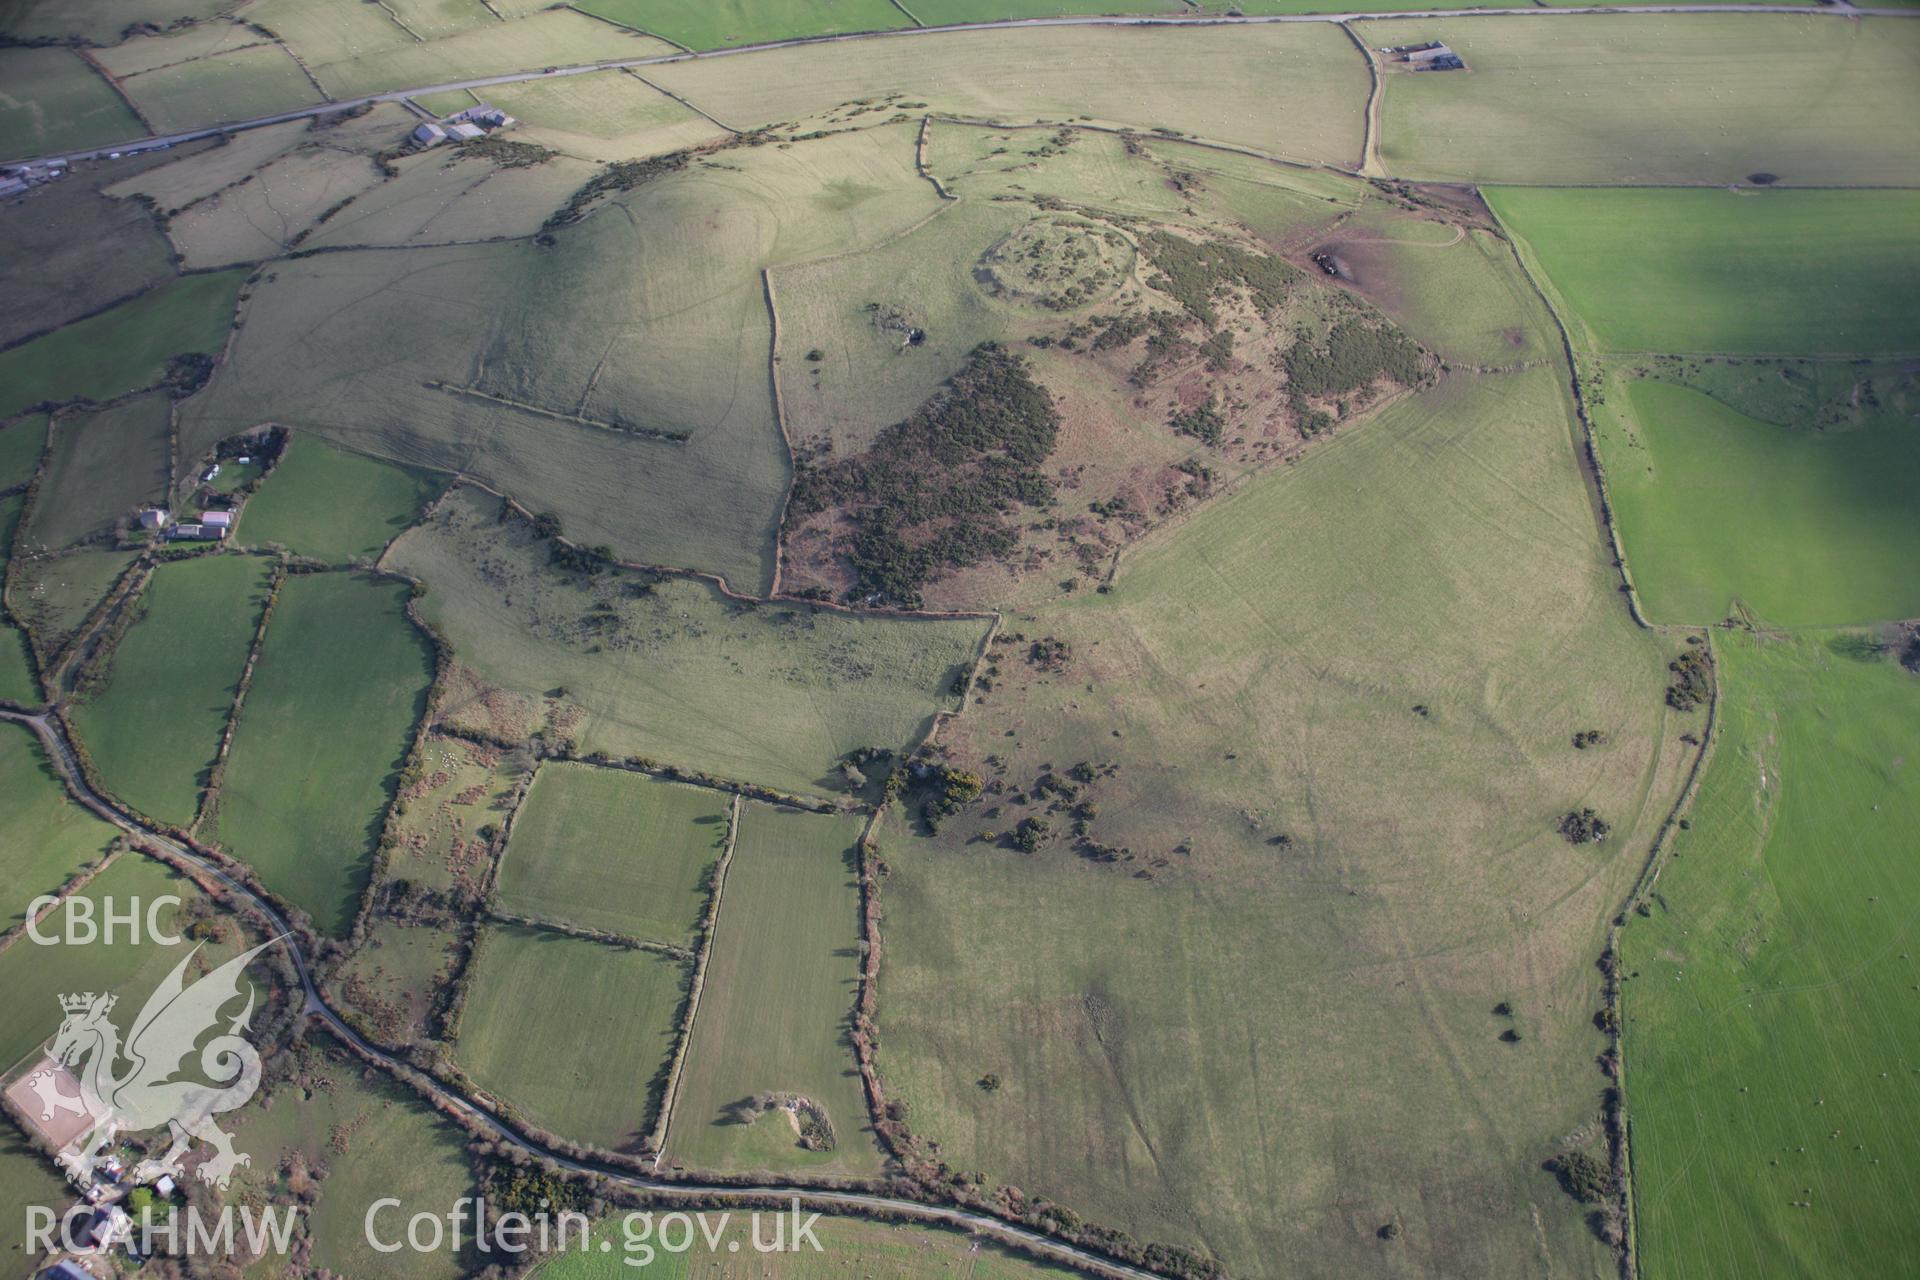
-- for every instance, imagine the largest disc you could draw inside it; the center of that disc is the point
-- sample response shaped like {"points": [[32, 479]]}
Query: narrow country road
{"points": [[60, 752], [136, 146]]}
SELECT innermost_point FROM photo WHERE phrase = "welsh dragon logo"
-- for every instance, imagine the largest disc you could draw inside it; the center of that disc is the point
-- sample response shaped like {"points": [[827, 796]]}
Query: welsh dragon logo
{"points": [[140, 1085]]}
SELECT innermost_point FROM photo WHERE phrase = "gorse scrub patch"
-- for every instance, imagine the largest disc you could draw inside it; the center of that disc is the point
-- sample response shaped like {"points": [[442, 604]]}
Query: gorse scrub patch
{"points": [[1193, 273], [1352, 356], [933, 491]]}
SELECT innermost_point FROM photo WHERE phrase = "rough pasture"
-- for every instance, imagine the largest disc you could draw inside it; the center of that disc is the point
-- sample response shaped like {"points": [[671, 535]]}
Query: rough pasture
{"points": [[1329, 827]]}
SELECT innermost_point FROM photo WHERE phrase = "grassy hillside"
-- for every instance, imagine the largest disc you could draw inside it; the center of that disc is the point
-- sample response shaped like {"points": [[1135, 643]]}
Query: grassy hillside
{"points": [[122, 349], [616, 374], [341, 682], [670, 669], [1800, 272], [1328, 721], [1770, 994], [155, 724], [774, 1015]]}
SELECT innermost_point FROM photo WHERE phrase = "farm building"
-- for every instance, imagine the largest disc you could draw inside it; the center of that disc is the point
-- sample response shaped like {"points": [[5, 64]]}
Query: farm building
{"points": [[1430, 55], [217, 519], [429, 134], [484, 114], [464, 132], [155, 518], [197, 531]]}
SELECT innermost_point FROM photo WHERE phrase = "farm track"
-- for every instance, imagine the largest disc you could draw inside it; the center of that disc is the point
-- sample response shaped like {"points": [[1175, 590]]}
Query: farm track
{"points": [[315, 1006], [138, 145]]}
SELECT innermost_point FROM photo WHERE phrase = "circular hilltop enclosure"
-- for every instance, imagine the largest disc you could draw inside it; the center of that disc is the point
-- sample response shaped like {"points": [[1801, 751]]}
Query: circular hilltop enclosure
{"points": [[1056, 263]]}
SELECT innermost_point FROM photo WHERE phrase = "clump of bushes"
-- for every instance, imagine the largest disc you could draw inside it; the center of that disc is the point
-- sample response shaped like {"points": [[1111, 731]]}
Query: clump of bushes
{"points": [[505, 153], [1588, 738], [1582, 1176], [1584, 826], [1692, 678], [1202, 422], [1031, 834]]}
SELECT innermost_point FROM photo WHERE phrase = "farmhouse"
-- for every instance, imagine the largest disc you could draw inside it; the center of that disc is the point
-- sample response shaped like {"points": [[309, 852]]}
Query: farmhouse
{"points": [[484, 114], [476, 121]]}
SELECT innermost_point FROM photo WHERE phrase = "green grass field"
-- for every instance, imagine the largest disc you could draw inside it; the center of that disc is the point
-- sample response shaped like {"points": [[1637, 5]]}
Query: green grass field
{"points": [[17, 680], [612, 850], [1693, 99], [1770, 997], [341, 682], [356, 1137], [719, 23], [935, 13], [147, 51], [122, 349], [1248, 683], [97, 21], [71, 251], [53, 595], [258, 80], [104, 464], [349, 62], [775, 1014], [155, 725], [848, 1246], [1311, 81], [48, 836], [36, 976], [1794, 272], [572, 1033], [20, 448], [613, 115], [332, 505], [50, 100], [1804, 525], [26, 1178], [773, 694]]}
